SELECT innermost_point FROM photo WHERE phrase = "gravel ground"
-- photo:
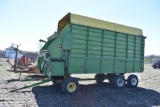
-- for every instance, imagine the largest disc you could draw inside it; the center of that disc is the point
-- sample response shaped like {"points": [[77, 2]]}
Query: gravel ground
{"points": [[90, 94]]}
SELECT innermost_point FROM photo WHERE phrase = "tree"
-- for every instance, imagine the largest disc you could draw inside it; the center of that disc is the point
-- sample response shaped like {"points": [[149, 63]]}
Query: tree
{"points": [[2, 53]]}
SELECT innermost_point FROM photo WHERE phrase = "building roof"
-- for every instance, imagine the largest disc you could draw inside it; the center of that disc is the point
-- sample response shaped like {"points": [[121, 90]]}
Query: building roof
{"points": [[10, 48]]}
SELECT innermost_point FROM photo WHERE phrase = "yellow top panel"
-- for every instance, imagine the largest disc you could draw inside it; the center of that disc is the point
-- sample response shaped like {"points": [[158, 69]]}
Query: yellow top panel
{"points": [[87, 21]]}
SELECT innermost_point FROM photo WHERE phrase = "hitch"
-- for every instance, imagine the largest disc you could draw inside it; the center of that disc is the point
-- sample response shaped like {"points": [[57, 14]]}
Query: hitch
{"points": [[29, 86]]}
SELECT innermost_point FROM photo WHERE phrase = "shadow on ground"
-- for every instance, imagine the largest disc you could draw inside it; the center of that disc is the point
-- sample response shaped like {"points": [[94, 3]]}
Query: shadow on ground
{"points": [[96, 95]]}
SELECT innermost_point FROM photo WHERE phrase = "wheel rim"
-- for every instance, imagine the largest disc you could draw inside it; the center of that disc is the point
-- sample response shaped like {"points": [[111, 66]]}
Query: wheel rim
{"points": [[71, 86], [120, 82], [134, 81]]}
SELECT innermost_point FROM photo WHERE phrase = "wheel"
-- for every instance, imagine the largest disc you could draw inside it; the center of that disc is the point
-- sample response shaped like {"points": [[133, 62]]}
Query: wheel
{"points": [[110, 77], [57, 81], [118, 81], [132, 81], [99, 78], [155, 66], [70, 85]]}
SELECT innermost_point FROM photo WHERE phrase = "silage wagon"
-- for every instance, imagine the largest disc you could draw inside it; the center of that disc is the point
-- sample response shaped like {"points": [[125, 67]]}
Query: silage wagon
{"points": [[84, 45]]}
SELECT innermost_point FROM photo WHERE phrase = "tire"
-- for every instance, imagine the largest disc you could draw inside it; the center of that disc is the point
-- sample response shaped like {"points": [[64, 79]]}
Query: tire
{"points": [[132, 81], [99, 78], [110, 77], [57, 81], [70, 85], [118, 81], [154, 67]]}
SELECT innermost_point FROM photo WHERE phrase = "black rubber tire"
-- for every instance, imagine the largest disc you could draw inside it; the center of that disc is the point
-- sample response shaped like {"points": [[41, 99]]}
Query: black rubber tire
{"points": [[70, 85], [99, 78], [154, 67], [119, 81], [110, 77], [132, 81], [57, 81]]}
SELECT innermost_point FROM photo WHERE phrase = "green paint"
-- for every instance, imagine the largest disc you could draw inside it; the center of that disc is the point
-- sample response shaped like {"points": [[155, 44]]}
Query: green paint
{"points": [[85, 49]]}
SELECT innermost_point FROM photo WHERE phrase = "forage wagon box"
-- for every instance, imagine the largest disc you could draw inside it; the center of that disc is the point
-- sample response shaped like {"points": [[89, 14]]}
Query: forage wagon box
{"points": [[84, 45]]}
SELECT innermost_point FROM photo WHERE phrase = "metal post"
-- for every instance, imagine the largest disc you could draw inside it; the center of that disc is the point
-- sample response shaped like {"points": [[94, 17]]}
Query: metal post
{"points": [[15, 62]]}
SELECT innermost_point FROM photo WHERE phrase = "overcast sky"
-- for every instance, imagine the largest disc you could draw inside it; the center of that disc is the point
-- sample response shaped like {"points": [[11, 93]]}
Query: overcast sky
{"points": [[26, 21]]}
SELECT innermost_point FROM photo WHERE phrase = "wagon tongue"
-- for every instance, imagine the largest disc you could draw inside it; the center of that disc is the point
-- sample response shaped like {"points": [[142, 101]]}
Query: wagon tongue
{"points": [[29, 86]]}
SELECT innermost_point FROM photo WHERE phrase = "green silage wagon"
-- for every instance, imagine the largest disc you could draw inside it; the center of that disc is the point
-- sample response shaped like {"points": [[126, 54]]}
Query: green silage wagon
{"points": [[84, 45]]}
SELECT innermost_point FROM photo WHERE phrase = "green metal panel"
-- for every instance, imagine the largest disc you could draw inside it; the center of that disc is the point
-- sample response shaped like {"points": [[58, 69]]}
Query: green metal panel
{"points": [[54, 51], [92, 43], [121, 46], [108, 45], [107, 36], [121, 42], [131, 44], [57, 68], [66, 41], [98, 53], [86, 49], [138, 44], [131, 56], [108, 49], [40, 60], [109, 32], [78, 51], [79, 37], [119, 66], [77, 31], [107, 66], [77, 65], [121, 50], [103, 45], [131, 40], [121, 35], [45, 47], [79, 27], [76, 41], [95, 39], [78, 46], [130, 49], [93, 65], [109, 41], [95, 34], [108, 53], [137, 66], [120, 54], [95, 30], [129, 66]]}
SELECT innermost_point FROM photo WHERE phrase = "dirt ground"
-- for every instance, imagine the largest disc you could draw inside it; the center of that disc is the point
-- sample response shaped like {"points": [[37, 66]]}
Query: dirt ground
{"points": [[90, 94]]}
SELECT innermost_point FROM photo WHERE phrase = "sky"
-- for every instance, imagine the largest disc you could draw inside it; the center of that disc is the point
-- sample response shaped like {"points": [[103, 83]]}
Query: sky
{"points": [[26, 21]]}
